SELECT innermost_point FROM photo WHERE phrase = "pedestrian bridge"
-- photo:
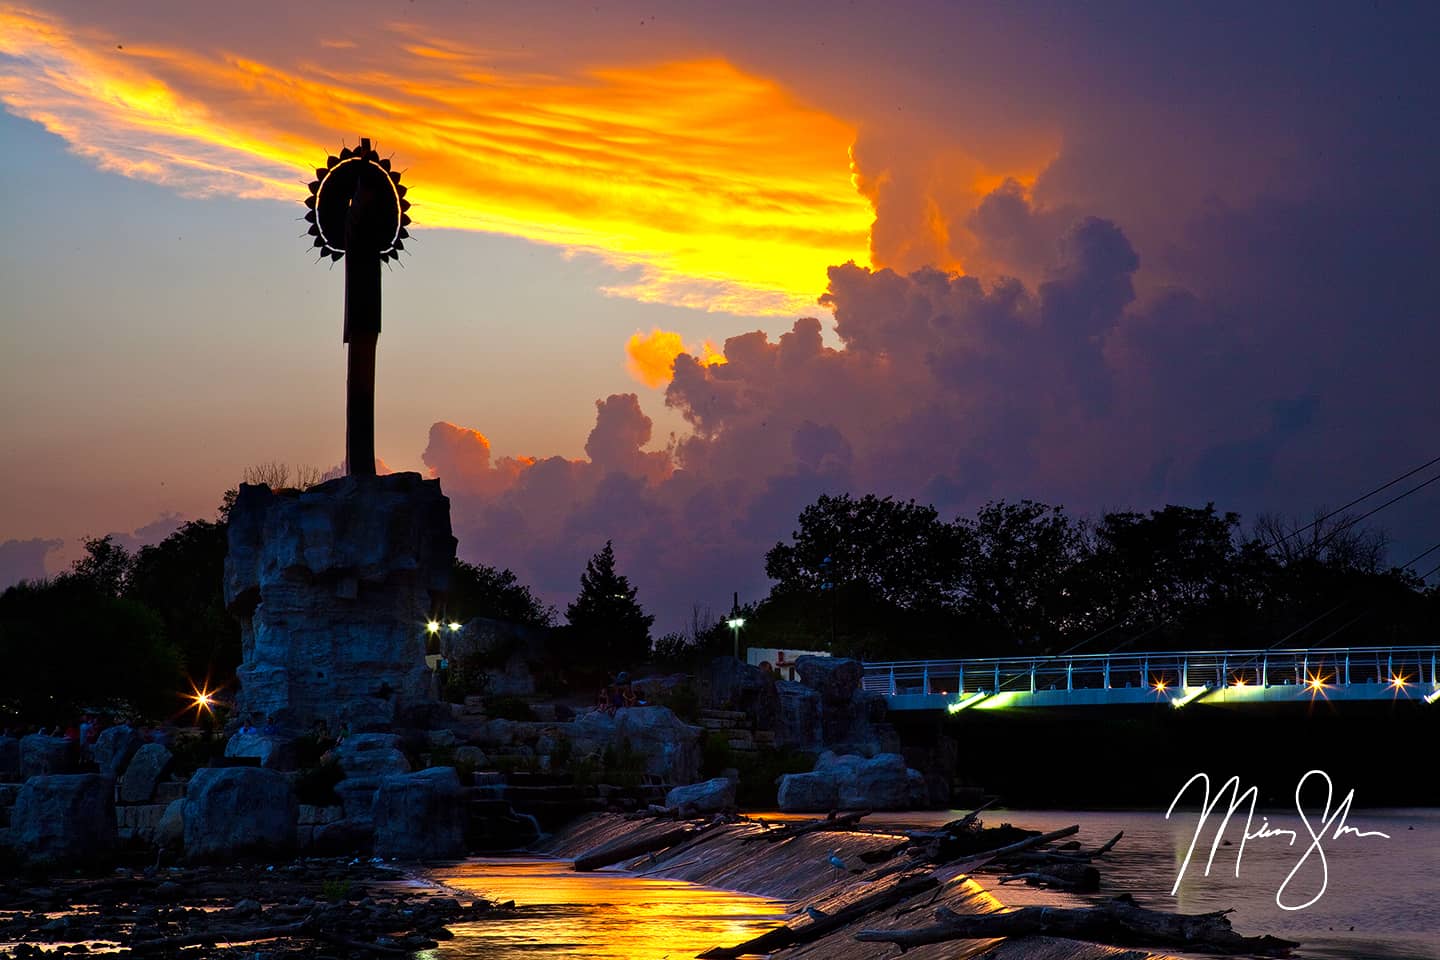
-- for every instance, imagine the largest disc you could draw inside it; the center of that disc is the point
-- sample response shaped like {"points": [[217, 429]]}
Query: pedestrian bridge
{"points": [[1178, 678]]}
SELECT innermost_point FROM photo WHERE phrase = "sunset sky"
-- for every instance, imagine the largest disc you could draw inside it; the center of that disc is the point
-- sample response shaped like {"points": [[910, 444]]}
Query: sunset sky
{"points": [[1111, 255]]}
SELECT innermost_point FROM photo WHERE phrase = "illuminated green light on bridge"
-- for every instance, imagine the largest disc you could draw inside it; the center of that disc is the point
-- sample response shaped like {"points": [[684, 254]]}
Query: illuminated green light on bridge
{"points": [[999, 701], [969, 701], [1432, 697], [1190, 694]]}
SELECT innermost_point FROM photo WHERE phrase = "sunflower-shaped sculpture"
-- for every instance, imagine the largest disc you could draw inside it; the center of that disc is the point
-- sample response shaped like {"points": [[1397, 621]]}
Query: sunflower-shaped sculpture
{"points": [[357, 204]]}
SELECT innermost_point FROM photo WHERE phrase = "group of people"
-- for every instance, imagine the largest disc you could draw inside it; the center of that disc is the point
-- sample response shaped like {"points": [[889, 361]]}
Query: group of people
{"points": [[84, 731], [620, 693], [248, 727]]}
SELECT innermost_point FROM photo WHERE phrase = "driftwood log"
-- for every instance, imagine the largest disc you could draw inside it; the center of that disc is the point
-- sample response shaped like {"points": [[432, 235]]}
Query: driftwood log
{"points": [[790, 831], [1071, 877], [1117, 922]]}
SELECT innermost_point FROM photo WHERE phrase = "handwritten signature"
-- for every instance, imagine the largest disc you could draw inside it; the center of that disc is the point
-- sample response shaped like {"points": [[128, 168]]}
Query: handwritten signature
{"points": [[1330, 825]]}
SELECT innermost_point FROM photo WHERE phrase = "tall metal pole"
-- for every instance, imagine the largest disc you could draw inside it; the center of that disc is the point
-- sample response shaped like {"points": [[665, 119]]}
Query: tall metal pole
{"points": [[362, 325]]}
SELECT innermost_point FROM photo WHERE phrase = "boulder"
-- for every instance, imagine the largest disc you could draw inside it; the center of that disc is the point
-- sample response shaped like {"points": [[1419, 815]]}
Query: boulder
{"points": [[797, 718], [420, 816], [670, 747], [114, 748], [880, 783], [273, 752], [591, 733], [143, 774], [9, 759], [326, 584], [357, 797], [41, 754], [855, 726], [732, 684], [835, 678], [64, 818], [850, 782], [807, 792], [235, 811], [709, 796], [371, 755], [170, 833]]}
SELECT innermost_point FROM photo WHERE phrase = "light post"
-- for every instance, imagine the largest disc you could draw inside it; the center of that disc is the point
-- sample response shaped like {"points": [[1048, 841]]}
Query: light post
{"points": [[735, 623]]}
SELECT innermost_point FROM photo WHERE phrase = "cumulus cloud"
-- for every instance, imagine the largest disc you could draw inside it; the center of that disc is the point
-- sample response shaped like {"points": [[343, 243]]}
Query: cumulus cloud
{"points": [[25, 559], [650, 357], [151, 533]]}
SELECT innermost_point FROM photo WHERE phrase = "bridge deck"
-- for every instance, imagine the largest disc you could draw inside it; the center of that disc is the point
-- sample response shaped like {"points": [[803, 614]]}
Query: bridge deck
{"points": [[1177, 677]]}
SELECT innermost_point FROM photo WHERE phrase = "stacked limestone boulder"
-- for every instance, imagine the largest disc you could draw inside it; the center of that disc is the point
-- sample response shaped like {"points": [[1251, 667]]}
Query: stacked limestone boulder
{"points": [[332, 587]]}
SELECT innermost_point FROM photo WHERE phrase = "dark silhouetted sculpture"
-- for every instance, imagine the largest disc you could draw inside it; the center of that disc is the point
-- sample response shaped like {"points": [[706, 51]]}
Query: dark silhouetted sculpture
{"points": [[357, 211]]}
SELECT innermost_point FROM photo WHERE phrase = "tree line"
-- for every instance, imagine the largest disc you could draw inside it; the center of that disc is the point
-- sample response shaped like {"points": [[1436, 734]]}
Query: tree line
{"points": [[866, 576], [890, 579]]}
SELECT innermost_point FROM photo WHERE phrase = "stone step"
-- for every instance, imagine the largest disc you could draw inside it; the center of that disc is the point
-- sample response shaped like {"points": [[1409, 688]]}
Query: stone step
{"points": [[716, 723], [736, 715], [766, 737]]}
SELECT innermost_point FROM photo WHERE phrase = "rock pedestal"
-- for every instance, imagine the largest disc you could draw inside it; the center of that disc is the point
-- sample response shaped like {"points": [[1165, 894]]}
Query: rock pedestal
{"points": [[333, 587]]}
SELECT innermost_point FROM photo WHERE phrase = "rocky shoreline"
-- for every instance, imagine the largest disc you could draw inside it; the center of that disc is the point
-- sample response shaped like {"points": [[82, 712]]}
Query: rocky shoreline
{"points": [[303, 910]]}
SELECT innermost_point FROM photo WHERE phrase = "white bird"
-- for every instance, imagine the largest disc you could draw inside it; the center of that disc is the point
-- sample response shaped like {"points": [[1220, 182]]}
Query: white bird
{"points": [[836, 861]]}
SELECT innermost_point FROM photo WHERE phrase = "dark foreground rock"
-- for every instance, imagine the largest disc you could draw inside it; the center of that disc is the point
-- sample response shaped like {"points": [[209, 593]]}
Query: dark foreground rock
{"points": [[315, 908], [41, 754], [64, 818], [420, 816], [238, 811]]}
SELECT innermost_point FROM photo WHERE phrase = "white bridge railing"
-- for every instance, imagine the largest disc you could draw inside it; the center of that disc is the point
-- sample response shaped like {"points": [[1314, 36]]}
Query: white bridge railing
{"points": [[1328, 666]]}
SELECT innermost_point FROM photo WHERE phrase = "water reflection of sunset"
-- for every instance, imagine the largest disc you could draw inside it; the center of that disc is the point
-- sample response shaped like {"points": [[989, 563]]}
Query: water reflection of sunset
{"points": [[599, 915]]}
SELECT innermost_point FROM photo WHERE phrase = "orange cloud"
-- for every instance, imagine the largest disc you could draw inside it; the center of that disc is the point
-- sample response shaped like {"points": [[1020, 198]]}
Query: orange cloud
{"points": [[709, 186], [650, 357]]}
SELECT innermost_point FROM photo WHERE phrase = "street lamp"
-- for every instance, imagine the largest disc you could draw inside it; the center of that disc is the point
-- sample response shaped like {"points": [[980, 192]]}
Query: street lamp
{"points": [[735, 623]]}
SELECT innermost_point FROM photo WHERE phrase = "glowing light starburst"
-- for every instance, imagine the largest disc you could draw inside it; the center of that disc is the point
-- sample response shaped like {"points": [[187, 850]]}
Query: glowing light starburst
{"points": [[202, 698], [345, 178]]}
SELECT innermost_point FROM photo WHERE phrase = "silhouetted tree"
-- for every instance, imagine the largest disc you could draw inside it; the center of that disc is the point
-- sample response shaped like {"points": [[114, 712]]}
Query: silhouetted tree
{"points": [[181, 579], [105, 567], [896, 552], [480, 591], [608, 625], [1015, 562], [68, 647]]}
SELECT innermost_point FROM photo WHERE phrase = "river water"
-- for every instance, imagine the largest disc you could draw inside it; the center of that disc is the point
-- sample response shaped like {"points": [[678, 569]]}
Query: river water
{"points": [[1382, 899], [600, 915]]}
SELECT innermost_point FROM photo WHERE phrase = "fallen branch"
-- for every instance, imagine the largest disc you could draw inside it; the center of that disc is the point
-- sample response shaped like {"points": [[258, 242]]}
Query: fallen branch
{"points": [[1116, 923], [1083, 880]]}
